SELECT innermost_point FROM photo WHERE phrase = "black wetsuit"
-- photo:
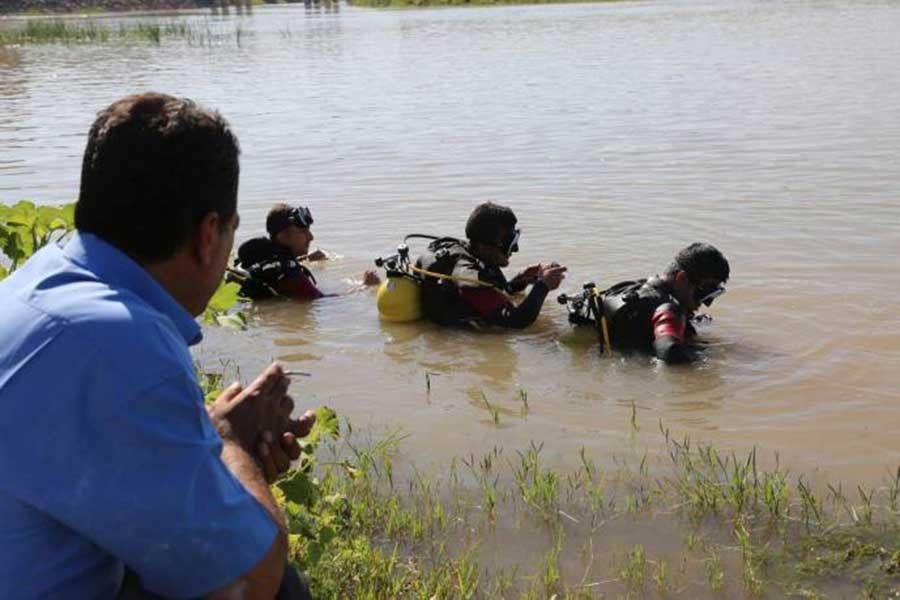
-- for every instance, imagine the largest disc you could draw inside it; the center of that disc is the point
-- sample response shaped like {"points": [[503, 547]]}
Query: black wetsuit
{"points": [[457, 302], [644, 315], [274, 271]]}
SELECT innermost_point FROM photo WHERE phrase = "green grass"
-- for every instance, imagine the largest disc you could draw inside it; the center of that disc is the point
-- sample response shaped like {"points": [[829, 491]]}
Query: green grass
{"points": [[710, 525], [59, 31], [439, 3]]}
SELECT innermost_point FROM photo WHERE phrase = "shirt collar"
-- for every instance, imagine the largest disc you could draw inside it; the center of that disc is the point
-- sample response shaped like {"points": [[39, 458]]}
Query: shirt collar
{"points": [[117, 269]]}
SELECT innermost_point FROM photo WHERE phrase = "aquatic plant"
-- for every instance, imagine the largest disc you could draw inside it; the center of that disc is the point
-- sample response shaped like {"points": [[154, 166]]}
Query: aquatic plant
{"points": [[25, 228], [358, 531], [59, 31], [434, 3]]}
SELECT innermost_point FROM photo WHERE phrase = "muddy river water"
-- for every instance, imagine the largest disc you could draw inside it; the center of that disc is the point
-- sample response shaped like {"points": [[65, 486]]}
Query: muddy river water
{"points": [[618, 133]]}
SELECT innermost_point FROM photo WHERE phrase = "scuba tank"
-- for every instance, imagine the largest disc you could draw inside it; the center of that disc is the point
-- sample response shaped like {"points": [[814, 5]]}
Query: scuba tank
{"points": [[399, 295], [428, 288]]}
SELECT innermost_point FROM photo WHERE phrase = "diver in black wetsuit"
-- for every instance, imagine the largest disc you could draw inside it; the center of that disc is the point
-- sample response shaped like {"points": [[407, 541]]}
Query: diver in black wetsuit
{"points": [[275, 264], [654, 315], [476, 291]]}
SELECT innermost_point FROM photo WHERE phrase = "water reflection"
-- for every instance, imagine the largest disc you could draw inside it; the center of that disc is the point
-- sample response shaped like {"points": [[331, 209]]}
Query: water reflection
{"points": [[10, 58]]}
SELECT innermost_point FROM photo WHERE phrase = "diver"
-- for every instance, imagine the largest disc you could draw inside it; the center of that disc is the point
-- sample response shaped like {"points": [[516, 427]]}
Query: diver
{"points": [[273, 265], [475, 290], [655, 315]]}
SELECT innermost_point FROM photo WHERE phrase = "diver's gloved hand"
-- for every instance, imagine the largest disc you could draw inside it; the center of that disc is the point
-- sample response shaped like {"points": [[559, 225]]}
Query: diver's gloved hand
{"points": [[317, 254], [527, 276], [551, 275], [371, 278]]}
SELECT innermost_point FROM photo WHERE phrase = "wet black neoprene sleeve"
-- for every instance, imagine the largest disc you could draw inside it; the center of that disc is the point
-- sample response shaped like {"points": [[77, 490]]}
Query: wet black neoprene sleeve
{"points": [[671, 351], [523, 315]]}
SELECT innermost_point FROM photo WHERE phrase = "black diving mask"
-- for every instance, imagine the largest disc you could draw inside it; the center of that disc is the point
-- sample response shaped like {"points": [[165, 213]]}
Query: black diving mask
{"points": [[511, 244], [300, 216], [706, 294]]}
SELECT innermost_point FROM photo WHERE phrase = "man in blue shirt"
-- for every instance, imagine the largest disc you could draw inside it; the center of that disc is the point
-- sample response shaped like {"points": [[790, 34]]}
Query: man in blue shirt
{"points": [[108, 458]]}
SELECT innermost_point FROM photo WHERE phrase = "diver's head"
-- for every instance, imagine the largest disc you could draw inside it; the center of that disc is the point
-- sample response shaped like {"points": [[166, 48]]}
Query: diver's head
{"points": [[697, 275], [493, 237], [290, 226]]}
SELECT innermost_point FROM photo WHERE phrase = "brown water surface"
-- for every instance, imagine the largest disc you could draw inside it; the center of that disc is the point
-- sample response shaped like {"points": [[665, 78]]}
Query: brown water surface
{"points": [[619, 133]]}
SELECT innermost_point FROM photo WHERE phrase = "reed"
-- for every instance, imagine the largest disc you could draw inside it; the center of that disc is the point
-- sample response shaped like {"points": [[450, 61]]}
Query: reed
{"points": [[745, 530], [446, 3], [59, 31]]}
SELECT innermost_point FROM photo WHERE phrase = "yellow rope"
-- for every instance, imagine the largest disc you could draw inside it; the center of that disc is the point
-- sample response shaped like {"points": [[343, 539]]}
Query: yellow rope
{"points": [[471, 280], [604, 327]]}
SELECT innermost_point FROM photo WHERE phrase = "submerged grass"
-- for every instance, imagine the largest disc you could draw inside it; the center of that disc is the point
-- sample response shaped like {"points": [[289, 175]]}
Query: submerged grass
{"points": [[61, 31], [440, 3], [503, 525]]}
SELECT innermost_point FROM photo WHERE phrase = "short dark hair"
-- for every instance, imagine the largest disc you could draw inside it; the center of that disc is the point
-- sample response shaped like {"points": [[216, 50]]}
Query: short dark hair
{"points": [[154, 166], [487, 221], [701, 261], [278, 218]]}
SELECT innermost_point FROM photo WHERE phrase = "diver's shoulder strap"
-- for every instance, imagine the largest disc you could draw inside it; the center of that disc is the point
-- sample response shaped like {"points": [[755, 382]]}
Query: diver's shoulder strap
{"points": [[616, 297]]}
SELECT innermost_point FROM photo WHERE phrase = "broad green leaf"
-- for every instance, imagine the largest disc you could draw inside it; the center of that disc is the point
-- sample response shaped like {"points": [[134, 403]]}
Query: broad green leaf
{"points": [[67, 214], [23, 213], [225, 297], [299, 487], [58, 223], [327, 426], [26, 228], [233, 321]]}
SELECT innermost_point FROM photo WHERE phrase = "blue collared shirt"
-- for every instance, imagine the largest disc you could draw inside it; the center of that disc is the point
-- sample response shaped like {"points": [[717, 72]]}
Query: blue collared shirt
{"points": [[107, 455]]}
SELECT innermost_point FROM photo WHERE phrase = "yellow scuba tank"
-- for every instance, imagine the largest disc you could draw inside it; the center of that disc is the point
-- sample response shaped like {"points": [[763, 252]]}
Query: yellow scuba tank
{"points": [[399, 299]]}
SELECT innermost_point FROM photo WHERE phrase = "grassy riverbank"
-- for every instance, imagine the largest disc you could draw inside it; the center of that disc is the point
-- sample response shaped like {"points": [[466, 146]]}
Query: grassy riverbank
{"points": [[59, 31], [440, 3], [702, 524], [40, 7]]}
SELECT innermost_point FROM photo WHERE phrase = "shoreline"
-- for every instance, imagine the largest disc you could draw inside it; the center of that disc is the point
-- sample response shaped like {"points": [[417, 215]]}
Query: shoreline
{"points": [[24, 9], [416, 4], [88, 8]]}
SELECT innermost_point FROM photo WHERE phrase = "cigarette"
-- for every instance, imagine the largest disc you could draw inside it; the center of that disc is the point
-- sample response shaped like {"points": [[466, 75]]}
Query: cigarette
{"points": [[297, 373]]}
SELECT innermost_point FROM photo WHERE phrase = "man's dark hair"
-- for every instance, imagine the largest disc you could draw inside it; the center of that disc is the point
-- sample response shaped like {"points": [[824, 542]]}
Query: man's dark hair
{"points": [[701, 261], [487, 221], [279, 217], [154, 166]]}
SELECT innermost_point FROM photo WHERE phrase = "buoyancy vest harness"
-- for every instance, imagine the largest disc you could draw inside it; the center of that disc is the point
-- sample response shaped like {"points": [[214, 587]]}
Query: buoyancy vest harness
{"points": [[439, 267], [622, 313], [266, 263]]}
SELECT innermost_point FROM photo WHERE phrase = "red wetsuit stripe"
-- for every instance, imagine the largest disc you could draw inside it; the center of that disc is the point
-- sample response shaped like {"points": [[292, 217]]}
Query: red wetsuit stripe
{"points": [[668, 323], [485, 301], [298, 287]]}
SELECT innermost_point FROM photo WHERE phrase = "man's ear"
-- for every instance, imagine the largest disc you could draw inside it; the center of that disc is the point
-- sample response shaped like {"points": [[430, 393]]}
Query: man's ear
{"points": [[206, 238], [682, 278]]}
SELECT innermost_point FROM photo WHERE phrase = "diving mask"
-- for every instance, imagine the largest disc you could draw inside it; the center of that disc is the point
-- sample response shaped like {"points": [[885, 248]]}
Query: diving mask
{"points": [[300, 216], [707, 293], [511, 244]]}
